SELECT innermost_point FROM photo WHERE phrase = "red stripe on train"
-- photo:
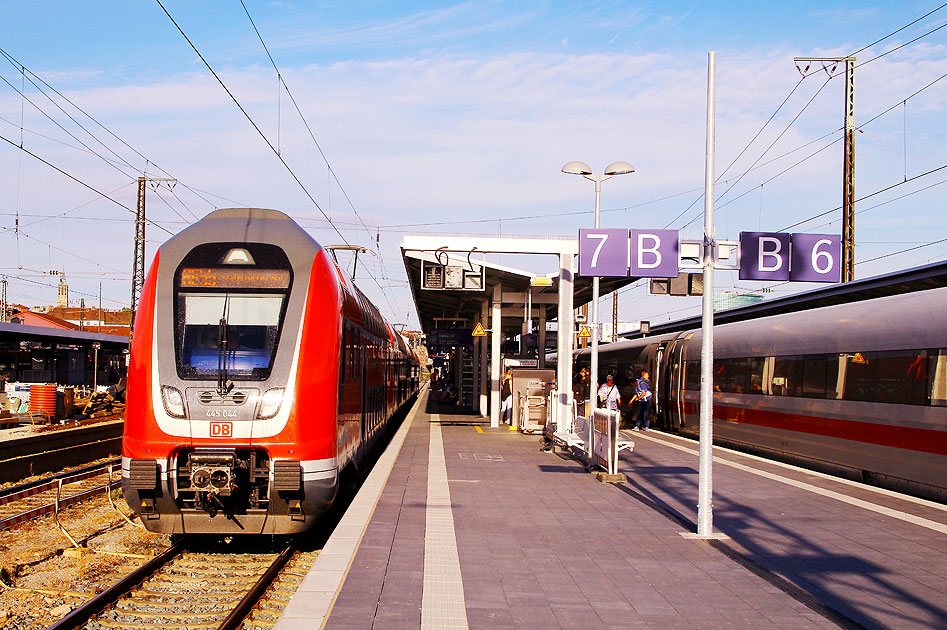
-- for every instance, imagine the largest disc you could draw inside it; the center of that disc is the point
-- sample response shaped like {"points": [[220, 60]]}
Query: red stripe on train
{"points": [[909, 438]]}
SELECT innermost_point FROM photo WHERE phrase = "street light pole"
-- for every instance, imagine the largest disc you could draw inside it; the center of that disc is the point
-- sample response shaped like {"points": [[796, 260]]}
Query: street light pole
{"points": [[613, 169]]}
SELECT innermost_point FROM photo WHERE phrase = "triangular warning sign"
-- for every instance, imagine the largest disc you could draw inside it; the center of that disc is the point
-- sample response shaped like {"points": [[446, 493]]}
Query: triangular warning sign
{"points": [[584, 333], [478, 331]]}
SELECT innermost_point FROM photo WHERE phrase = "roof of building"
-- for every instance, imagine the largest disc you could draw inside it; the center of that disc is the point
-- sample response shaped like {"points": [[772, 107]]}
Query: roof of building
{"points": [[25, 331], [47, 319]]}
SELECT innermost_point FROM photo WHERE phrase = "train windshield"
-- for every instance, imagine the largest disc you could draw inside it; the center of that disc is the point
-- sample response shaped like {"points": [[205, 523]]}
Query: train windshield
{"points": [[234, 332], [228, 316]]}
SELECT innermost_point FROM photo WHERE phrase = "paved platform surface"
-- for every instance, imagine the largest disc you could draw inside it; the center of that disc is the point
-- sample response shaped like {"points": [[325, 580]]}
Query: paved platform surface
{"points": [[476, 527]]}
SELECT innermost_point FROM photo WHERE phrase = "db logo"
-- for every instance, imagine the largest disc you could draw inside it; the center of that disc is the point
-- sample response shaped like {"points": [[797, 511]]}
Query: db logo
{"points": [[221, 429]]}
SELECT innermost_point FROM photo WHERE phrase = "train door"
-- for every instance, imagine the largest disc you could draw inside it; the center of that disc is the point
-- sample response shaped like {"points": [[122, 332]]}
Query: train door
{"points": [[364, 352], [672, 394]]}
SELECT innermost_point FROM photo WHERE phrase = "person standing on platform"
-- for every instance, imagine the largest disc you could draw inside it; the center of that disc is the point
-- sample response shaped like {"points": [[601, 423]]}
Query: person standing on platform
{"points": [[608, 394], [643, 395], [506, 410], [580, 392]]}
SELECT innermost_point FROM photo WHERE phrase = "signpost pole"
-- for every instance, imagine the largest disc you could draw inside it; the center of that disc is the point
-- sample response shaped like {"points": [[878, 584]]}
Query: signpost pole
{"points": [[705, 523], [593, 390]]}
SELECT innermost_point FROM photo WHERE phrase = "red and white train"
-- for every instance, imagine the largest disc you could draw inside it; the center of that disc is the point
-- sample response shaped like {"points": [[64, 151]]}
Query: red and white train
{"points": [[857, 389], [258, 373]]}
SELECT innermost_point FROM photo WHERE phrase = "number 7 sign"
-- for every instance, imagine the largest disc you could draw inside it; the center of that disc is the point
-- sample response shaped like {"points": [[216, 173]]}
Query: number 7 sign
{"points": [[603, 252]]}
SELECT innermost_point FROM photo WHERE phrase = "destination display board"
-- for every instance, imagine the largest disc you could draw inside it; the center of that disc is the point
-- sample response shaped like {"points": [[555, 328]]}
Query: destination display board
{"points": [[234, 278]]}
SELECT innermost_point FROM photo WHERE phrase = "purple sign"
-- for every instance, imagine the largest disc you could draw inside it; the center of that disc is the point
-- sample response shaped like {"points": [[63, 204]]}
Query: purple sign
{"points": [[603, 252], [654, 253], [816, 258], [764, 256]]}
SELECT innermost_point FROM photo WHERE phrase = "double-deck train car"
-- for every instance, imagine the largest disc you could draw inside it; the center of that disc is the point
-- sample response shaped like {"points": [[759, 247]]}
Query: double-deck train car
{"points": [[858, 389], [258, 373]]}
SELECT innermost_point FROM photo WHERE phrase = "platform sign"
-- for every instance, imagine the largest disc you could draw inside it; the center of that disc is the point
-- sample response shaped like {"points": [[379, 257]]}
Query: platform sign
{"points": [[764, 256], [460, 277], [603, 252], [654, 253], [816, 258]]}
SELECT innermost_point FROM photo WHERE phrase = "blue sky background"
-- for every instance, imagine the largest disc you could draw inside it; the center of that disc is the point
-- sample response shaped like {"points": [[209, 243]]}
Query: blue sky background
{"points": [[432, 113]]}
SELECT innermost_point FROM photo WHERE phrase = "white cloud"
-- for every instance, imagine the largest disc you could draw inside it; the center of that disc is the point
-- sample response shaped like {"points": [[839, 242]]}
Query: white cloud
{"points": [[451, 137]]}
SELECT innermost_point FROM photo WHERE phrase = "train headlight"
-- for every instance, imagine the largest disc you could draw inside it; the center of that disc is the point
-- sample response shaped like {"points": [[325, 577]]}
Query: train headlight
{"points": [[173, 401], [270, 403]]}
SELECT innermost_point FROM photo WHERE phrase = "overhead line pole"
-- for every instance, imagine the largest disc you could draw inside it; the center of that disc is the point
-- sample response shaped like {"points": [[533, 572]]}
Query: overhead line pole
{"points": [[830, 65], [138, 263]]}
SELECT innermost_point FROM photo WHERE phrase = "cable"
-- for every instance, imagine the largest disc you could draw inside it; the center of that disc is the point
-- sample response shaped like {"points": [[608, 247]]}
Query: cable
{"points": [[877, 192], [884, 203], [892, 33], [250, 119], [79, 181], [16, 63], [907, 43], [292, 98]]}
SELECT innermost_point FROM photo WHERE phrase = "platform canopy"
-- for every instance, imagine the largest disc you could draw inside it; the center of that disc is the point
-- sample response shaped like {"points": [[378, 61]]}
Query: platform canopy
{"points": [[442, 305]]}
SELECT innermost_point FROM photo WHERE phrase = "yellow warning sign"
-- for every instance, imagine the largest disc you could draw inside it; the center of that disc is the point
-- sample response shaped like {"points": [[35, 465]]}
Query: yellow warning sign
{"points": [[478, 331], [584, 333], [860, 358]]}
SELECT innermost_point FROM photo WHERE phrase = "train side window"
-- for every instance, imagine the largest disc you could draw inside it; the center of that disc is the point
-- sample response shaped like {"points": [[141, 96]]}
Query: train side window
{"points": [[721, 375], [738, 376], [787, 376], [902, 377], [938, 370], [754, 372], [814, 376], [692, 375]]}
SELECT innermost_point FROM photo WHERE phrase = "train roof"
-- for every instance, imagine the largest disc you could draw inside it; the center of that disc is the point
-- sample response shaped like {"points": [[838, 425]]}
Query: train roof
{"points": [[905, 281]]}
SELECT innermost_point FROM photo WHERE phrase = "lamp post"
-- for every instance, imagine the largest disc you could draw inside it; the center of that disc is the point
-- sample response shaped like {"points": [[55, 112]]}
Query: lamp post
{"points": [[583, 169]]}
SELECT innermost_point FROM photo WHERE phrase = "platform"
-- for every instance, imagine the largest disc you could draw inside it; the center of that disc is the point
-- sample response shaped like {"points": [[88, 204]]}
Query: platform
{"points": [[460, 525]]}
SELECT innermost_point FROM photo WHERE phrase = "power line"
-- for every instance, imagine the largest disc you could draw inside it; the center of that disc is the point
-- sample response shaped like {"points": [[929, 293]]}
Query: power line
{"points": [[907, 43], [250, 119], [17, 64], [868, 196], [77, 180], [893, 33], [292, 98]]}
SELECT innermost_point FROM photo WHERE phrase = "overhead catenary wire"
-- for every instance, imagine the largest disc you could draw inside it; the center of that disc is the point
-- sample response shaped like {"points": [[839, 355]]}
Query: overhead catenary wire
{"points": [[99, 124], [79, 181], [331, 171]]}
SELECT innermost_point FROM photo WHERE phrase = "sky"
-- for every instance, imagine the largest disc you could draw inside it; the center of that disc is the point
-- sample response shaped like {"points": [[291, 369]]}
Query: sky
{"points": [[457, 118]]}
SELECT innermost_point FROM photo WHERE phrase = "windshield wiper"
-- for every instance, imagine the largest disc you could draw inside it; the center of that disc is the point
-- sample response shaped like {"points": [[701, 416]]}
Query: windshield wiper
{"points": [[223, 385]]}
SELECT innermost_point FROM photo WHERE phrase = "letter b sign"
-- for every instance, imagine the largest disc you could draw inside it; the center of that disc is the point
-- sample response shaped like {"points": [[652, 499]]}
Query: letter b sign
{"points": [[764, 256], [797, 257]]}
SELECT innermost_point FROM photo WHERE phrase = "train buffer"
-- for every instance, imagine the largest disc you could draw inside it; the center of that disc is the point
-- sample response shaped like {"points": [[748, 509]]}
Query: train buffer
{"points": [[460, 525]]}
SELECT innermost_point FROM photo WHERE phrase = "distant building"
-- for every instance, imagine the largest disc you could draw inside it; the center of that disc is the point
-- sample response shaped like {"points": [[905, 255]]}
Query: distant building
{"points": [[62, 298], [94, 320], [43, 320], [734, 299]]}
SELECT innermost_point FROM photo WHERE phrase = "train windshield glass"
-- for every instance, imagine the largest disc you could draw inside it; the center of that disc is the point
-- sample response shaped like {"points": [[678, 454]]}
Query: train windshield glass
{"points": [[247, 323], [230, 301]]}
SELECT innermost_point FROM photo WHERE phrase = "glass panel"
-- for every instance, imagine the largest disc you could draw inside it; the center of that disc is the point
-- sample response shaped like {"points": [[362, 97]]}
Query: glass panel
{"points": [[814, 379], [692, 375], [737, 376], [859, 383], [902, 377], [252, 326], [938, 363], [755, 375], [787, 376], [721, 375]]}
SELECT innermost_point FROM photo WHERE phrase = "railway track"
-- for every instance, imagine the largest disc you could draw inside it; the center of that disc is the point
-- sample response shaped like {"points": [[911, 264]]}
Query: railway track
{"points": [[183, 588], [27, 501]]}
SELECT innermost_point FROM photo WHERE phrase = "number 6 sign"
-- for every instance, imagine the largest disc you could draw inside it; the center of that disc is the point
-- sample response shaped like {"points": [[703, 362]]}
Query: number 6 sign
{"points": [[603, 252], [816, 258]]}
